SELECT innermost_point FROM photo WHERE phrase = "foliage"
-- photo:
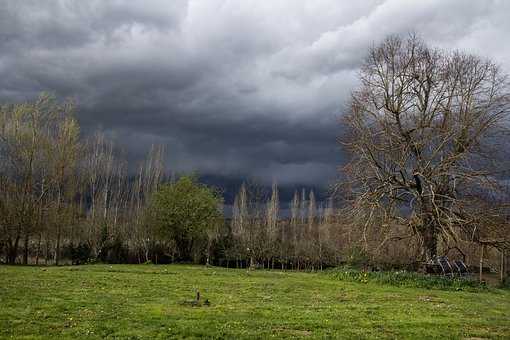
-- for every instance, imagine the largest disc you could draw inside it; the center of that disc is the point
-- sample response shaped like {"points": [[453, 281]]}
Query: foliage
{"points": [[113, 251], [357, 257], [145, 302], [506, 283], [186, 212], [81, 253], [57, 188], [39, 151], [404, 278]]}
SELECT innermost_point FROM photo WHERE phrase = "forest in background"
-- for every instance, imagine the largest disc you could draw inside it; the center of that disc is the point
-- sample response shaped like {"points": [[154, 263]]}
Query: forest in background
{"points": [[66, 198], [424, 134], [69, 199]]}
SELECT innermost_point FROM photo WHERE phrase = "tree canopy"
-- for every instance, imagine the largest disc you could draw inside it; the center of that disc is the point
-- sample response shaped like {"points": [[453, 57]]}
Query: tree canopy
{"points": [[423, 129], [186, 213]]}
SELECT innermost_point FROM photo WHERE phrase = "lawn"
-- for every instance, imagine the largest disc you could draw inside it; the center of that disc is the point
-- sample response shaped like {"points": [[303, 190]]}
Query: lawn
{"points": [[153, 301]]}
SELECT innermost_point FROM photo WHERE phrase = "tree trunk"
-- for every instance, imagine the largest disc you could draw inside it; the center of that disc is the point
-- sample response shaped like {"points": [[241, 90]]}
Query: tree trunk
{"points": [[429, 238], [57, 248], [25, 249], [47, 251], [38, 250], [12, 250], [482, 248]]}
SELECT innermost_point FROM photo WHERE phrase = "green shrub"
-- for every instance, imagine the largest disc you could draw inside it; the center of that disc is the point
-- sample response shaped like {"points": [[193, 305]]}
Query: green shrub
{"points": [[404, 278], [506, 283], [357, 257], [79, 254]]}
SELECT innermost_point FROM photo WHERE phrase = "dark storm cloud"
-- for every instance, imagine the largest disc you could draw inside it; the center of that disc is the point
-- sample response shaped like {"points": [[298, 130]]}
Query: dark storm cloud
{"points": [[233, 88]]}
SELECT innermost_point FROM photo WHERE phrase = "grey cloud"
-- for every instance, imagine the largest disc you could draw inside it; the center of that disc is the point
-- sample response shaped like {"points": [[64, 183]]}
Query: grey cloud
{"points": [[251, 88]]}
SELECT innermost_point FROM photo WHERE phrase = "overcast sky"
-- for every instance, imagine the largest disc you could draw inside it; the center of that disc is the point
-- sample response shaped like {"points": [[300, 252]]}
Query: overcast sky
{"points": [[233, 88]]}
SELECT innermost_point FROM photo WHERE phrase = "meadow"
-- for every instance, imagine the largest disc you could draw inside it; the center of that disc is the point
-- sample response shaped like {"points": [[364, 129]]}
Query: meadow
{"points": [[158, 302]]}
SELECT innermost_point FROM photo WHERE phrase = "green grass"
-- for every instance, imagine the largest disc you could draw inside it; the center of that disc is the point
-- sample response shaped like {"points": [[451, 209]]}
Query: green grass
{"points": [[149, 302]]}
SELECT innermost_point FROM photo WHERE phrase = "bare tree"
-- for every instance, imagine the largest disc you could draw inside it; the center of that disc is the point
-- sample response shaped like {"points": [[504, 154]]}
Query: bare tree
{"points": [[422, 128], [64, 154], [150, 175], [312, 212], [272, 216], [294, 224], [325, 219], [239, 223]]}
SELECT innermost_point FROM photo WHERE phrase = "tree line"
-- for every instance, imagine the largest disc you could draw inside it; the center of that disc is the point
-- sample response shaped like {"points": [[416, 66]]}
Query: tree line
{"points": [[61, 193], [426, 135], [262, 237], [68, 198]]}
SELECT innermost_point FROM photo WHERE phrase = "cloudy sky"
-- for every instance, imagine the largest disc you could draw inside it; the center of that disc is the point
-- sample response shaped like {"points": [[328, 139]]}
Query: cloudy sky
{"points": [[233, 88]]}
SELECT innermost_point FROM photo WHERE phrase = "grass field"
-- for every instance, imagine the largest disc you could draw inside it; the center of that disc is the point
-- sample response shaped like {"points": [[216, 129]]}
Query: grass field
{"points": [[151, 302]]}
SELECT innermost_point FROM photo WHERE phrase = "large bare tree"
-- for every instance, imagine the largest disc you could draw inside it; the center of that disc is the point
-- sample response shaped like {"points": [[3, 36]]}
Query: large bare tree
{"points": [[423, 127]]}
